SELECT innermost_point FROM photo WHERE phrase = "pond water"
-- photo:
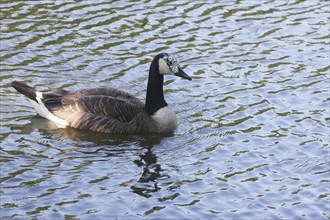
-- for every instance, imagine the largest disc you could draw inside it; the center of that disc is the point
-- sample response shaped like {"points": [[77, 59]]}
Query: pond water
{"points": [[253, 135]]}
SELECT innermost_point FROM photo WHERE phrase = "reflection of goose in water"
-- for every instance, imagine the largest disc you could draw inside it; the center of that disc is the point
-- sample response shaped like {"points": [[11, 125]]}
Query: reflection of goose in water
{"points": [[151, 174], [108, 110], [100, 146]]}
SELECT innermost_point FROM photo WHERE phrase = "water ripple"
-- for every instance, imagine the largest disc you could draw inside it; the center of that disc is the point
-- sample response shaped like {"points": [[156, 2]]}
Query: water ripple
{"points": [[253, 127]]}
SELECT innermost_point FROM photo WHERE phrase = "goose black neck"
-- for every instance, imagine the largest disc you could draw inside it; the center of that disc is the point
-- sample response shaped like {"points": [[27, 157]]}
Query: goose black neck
{"points": [[155, 95]]}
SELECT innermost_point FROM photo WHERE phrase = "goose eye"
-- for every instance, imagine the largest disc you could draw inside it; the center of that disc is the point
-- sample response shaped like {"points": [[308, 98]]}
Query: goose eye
{"points": [[172, 63]]}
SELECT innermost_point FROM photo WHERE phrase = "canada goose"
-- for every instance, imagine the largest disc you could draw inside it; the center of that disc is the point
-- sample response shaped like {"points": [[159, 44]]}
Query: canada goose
{"points": [[110, 110]]}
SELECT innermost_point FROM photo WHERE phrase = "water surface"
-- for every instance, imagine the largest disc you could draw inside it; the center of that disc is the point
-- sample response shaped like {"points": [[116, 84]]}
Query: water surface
{"points": [[253, 135]]}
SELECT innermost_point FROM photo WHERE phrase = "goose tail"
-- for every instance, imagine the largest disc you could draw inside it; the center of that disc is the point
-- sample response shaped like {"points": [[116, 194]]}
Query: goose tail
{"points": [[35, 98], [26, 90]]}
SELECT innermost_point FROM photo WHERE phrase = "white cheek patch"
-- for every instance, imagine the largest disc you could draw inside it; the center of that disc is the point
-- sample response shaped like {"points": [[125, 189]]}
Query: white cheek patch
{"points": [[163, 67]]}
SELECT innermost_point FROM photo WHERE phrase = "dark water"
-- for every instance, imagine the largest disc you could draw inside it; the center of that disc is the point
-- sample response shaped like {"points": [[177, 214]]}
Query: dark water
{"points": [[253, 135]]}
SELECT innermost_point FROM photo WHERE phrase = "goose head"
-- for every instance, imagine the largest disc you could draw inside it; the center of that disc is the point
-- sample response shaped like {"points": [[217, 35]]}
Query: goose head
{"points": [[168, 65], [162, 64]]}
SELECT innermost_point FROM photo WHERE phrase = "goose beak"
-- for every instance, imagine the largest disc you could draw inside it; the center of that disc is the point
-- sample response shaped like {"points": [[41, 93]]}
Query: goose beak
{"points": [[182, 74]]}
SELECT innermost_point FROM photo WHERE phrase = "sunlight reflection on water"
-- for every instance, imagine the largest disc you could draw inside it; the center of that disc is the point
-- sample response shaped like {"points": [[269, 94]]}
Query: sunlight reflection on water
{"points": [[253, 135]]}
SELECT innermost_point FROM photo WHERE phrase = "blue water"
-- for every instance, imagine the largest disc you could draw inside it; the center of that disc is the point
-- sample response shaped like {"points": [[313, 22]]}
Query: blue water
{"points": [[253, 135]]}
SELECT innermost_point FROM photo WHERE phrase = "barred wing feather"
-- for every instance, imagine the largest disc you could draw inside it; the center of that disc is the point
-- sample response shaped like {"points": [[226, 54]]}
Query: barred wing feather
{"points": [[96, 109]]}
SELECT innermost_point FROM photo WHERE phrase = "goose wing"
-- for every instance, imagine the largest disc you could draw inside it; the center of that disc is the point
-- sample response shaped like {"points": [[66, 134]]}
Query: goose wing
{"points": [[110, 103], [115, 93], [102, 105], [100, 110]]}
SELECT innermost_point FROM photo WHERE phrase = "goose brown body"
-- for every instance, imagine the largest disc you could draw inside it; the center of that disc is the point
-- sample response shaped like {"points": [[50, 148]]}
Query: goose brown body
{"points": [[104, 110], [109, 110]]}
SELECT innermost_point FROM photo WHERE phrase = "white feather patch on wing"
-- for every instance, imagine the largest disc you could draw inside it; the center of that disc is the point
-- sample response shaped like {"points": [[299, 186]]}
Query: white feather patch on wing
{"points": [[44, 112]]}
